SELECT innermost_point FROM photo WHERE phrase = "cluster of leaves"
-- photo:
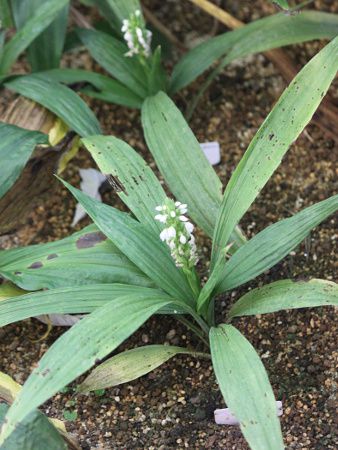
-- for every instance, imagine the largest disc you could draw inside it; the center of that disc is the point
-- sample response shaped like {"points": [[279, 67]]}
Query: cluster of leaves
{"points": [[41, 29], [120, 273]]}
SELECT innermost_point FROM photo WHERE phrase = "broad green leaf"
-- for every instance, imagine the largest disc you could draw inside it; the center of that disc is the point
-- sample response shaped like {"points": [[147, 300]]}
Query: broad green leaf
{"points": [[140, 189], [46, 50], [261, 35], [283, 125], [86, 257], [43, 17], [286, 294], [99, 86], [70, 300], [272, 244], [59, 99], [77, 350], [16, 147], [245, 387], [139, 244], [130, 365], [109, 52], [35, 432], [180, 159], [8, 290]]}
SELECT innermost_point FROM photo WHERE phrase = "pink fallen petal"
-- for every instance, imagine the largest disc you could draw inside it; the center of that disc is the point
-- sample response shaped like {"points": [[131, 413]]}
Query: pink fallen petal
{"points": [[225, 416]]}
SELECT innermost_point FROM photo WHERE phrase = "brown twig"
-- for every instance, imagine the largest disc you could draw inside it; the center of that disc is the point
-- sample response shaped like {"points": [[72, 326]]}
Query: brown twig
{"points": [[79, 19], [164, 30], [326, 116]]}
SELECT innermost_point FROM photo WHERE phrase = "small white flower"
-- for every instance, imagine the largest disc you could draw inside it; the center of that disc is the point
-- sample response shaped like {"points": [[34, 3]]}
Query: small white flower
{"points": [[167, 234], [137, 13], [172, 214], [183, 219], [183, 239], [161, 217], [189, 227], [159, 208]]}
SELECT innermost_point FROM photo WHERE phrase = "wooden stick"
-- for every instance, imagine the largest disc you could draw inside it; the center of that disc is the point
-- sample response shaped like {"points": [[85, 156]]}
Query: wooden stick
{"points": [[326, 116]]}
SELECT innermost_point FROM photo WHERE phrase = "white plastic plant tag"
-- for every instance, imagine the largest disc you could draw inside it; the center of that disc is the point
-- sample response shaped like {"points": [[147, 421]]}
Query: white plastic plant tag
{"points": [[60, 320], [225, 416], [212, 151], [90, 184]]}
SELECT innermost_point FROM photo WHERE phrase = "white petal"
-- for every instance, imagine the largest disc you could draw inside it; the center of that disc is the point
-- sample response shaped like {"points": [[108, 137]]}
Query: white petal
{"points": [[159, 208], [183, 239], [178, 203], [172, 214], [189, 227], [171, 232], [183, 219]]}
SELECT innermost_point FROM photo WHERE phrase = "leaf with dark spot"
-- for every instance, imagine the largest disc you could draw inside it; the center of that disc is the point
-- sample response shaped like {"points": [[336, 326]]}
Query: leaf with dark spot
{"points": [[90, 239]]}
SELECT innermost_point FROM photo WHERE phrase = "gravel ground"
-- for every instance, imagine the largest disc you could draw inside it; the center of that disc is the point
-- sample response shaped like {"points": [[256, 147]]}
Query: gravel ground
{"points": [[173, 406]]}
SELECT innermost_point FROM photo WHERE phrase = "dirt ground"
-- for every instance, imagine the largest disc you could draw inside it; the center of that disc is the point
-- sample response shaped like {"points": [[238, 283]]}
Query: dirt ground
{"points": [[173, 406]]}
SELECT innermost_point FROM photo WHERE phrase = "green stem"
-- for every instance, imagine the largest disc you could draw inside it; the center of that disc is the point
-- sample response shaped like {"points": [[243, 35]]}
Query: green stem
{"points": [[193, 328]]}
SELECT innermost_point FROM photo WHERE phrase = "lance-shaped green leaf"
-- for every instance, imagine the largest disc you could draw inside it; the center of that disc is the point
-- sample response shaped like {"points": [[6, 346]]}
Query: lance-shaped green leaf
{"points": [[71, 300], [283, 4], [59, 99], [286, 294], [130, 365], [86, 257], [137, 185], [46, 50], [283, 125], [99, 86], [35, 432], [77, 350], [109, 52], [180, 159], [16, 147], [5, 14], [245, 387], [139, 244], [43, 17], [272, 244], [261, 35]]}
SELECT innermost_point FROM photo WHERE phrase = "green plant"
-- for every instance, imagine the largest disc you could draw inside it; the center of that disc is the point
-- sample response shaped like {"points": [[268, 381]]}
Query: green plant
{"points": [[137, 71], [157, 241]]}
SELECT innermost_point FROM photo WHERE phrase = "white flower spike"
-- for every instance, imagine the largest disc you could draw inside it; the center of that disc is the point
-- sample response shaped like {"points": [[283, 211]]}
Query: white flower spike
{"points": [[178, 233], [137, 37]]}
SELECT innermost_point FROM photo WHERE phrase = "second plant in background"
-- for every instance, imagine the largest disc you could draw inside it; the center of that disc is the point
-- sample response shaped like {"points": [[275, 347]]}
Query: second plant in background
{"points": [[157, 247]]}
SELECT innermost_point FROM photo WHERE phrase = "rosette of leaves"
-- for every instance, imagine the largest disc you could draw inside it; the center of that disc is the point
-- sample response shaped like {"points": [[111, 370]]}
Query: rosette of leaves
{"points": [[118, 306]]}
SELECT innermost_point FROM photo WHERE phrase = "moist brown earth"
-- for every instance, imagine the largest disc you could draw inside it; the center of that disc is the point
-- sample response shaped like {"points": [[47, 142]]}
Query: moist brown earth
{"points": [[173, 406]]}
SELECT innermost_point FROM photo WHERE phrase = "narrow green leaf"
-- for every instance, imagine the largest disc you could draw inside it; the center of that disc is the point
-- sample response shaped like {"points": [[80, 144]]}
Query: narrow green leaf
{"points": [[77, 350], [283, 125], [43, 17], [141, 191], [35, 432], [71, 300], [157, 77], [139, 244], [130, 365], [283, 4], [86, 257], [99, 86], [286, 294], [109, 52], [272, 244], [180, 159], [59, 99], [5, 14], [245, 387], [261, 35], [16, 147], [46, 49]]}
